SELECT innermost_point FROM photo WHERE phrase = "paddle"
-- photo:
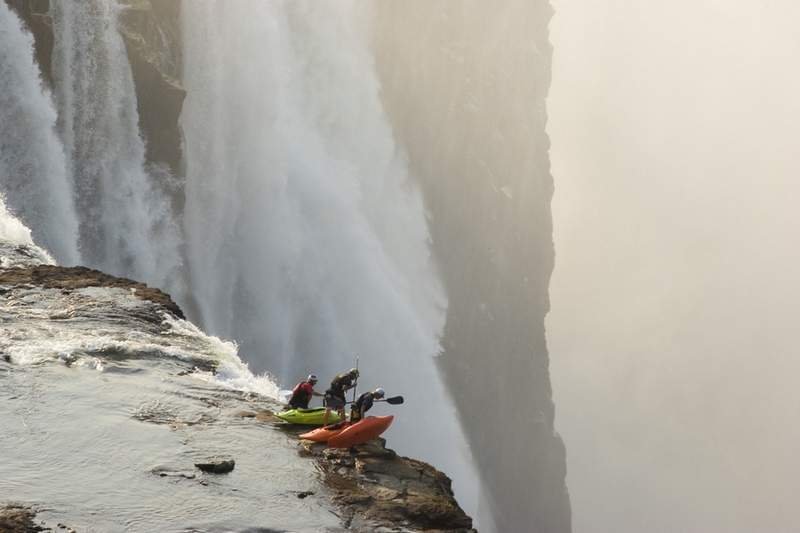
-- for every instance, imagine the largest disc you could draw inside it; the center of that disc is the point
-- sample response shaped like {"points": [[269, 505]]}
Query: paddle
{"points": [[394, 400], [355, 385]]}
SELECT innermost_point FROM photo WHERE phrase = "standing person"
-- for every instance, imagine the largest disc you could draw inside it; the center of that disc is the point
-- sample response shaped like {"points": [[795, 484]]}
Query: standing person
{"points": [[303, 391], [364, 404], [335, 395]]}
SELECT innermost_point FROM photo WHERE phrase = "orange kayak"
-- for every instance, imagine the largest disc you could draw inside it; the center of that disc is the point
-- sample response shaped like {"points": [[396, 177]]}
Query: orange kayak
{"points": [[360, 432], [324, 433]]}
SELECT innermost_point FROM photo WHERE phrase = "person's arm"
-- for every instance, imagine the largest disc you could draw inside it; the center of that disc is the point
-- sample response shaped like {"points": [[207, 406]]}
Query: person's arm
{"points": [[315, 393]]}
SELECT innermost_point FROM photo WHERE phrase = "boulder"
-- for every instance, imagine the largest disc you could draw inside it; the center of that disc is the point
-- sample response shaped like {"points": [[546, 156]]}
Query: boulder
{"points": [[17, 519], [378, 490], [217, 465]]}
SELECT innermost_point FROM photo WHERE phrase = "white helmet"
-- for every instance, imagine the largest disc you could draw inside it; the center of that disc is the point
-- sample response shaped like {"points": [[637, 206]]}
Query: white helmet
{"points": [[312, 377], [379, 393]]}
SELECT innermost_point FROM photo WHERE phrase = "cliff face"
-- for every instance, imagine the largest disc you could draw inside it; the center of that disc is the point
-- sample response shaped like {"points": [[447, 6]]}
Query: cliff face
{"points": [[151, 31], [465, 85], [152, 35]]}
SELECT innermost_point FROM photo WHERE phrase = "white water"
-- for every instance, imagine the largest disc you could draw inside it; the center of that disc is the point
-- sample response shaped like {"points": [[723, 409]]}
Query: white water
{"points": [[33, 173], [11, 229], [306, 237], [126, 223]]}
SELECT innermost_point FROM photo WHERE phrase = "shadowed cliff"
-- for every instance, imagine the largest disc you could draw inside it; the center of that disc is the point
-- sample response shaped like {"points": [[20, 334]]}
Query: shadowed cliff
{"points": [[465, 84]]}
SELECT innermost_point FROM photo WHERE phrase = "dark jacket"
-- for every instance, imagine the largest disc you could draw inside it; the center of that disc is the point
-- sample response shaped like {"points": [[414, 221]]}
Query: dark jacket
{"points": [[339, 385], [361, 406]]}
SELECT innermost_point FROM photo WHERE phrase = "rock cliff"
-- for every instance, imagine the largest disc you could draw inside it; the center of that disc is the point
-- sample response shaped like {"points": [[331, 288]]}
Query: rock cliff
{"points": [[465, 86]]}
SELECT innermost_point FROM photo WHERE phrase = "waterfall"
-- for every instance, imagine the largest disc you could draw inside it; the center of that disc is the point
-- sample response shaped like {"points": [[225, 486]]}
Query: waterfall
{"points": [[306, 237], [126, 224], [33, 169]]}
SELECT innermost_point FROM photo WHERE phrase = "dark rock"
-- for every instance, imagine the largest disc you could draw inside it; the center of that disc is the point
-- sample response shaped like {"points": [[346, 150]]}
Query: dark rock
{"points": [[377, 489], [152, 36], [165, 471], [71, 278], [17, 519], [305, 494], [217, 465]]}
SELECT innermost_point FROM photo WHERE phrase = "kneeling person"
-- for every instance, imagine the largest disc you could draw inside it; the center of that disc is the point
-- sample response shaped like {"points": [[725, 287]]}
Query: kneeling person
{"points": [[364, 404]]}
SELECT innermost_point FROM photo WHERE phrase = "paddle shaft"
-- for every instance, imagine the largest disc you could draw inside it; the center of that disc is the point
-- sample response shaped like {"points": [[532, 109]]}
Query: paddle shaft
{"points": [[394, 400], [355, 385]]}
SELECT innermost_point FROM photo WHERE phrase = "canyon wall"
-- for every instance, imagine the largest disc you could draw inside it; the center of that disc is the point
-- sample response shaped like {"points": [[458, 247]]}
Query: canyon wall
{"points": [[465, 84]]}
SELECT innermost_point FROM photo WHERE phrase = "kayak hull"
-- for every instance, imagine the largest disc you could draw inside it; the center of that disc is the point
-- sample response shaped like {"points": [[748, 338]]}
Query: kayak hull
{"points": [[308, 417], [361, 432], [323, 434]]}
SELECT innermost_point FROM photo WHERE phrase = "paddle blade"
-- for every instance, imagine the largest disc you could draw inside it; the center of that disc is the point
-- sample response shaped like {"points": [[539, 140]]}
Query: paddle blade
{"points": [[395, 400]]}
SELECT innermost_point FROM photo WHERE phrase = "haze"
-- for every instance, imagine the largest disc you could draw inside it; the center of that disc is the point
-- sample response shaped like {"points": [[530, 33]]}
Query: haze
{"points": [[673, 334]]}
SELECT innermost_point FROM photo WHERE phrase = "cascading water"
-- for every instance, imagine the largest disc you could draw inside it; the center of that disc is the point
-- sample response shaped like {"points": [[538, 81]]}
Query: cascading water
{"points": [[306, 238], [126, 225], [33, 173]]}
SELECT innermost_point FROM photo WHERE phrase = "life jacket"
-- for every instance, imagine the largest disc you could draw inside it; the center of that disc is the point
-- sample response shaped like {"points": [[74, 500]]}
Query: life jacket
{"points": [[301, 395], [366, 401], [339, 384]]}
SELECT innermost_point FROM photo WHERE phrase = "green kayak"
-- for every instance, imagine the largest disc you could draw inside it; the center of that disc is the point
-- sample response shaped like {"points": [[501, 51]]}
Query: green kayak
{"points": [[308, 417]]}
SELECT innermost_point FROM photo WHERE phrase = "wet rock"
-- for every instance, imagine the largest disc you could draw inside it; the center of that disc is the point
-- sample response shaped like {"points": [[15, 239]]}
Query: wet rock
{"points": [[379, 491], [71, 278], [152, 37], [217, 465], [166, 471], [17, 519]]}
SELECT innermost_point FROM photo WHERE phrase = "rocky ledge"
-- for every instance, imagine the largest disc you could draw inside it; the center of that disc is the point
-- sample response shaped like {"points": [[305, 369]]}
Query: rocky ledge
{"points": [[377, 490], [17, 519], [73, 278]]}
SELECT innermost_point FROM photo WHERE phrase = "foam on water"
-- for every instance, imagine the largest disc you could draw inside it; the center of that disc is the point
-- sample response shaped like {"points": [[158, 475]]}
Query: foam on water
{"points": [[231, 372]]}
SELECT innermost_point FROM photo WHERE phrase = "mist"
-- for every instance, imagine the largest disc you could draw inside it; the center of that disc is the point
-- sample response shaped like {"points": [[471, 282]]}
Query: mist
{"points": [[672, 333]]}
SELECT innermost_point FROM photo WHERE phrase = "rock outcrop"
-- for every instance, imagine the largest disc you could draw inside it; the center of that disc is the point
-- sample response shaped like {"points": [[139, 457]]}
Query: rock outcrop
{"points": [[17, 519], [72, 278], [217, 465], [375, 488]]}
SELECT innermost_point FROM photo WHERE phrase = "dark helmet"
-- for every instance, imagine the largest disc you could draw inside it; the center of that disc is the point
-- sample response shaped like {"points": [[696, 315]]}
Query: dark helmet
{"points": [[353, 372]]}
